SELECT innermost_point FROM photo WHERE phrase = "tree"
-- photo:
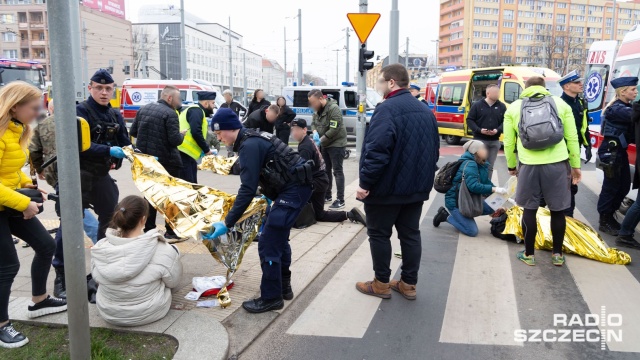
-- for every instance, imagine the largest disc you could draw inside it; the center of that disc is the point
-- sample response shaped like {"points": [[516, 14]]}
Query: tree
{"points": [[493, 59], [143, 43], [561, 51]]}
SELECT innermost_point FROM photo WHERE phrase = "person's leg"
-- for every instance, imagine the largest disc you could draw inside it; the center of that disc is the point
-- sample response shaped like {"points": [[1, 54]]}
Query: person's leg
{"points": [[90, 225], [104, 198], [151, 218], [493, 147], [328, 169], [558, 227], [9, 266], [530, 230], [380, 221], [625, 186], [464, 224], [569, 211], [631, 219], [408, 227], [317, 201], [58, 259], [186, 172], [337, 159], [283, 135]]}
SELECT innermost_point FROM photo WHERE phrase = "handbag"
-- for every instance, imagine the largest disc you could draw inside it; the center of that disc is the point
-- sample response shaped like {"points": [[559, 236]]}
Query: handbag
{"points": [[34, 194], [469, 204]]}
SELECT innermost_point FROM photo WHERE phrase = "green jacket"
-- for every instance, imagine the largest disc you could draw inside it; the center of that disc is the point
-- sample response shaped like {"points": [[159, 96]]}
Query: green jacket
{"points": [[328, 122], [568, 149], [43, 148]]}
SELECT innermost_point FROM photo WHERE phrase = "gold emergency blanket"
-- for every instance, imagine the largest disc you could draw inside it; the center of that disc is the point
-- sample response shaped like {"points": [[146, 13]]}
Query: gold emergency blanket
{"points": [[218, 164], [579, 238], [191, 209]]}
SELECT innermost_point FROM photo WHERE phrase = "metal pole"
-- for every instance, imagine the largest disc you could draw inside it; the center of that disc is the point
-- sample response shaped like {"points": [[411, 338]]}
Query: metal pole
{"points": [[337, 67], [613, 21], [244, 74], [406, 58], [437, 54], [166, 61], [62, 65], [230, 59], [347, 48], [85, 67], [394, 32], [183, 47], [362, 93], [75, 52], [285, 56], [300, 75]]}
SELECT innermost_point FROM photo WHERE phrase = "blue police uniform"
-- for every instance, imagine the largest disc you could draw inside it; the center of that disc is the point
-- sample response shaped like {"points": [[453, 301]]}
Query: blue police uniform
{"points": [[419, 97], [618, 132]]}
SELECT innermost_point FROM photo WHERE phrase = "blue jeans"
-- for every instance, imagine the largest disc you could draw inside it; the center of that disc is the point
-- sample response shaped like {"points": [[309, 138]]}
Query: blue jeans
{"points": [[631, 219], [464, 224], [90, 224]]}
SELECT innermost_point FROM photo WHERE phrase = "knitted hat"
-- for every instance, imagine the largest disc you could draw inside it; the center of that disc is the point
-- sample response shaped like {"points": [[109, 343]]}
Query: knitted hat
{"points": [[225, 119], [472, 146]]}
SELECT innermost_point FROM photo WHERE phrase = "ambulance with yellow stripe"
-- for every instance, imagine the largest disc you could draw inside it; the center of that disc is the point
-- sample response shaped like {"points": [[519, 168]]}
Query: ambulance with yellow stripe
{"points": [[458, 90]]}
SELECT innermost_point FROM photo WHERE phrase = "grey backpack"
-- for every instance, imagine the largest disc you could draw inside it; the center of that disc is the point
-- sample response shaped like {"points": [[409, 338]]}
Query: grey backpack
{"points": [[540, 127]]}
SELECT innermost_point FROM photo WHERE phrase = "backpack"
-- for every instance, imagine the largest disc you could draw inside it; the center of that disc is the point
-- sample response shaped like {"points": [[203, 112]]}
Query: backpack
{"points": [[498, 225], [444, 177], [539, 127]]}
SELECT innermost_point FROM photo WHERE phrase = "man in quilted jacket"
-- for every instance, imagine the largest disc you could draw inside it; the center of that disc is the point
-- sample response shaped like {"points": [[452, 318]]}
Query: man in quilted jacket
{"points": [[397, 168], [157, 133]]}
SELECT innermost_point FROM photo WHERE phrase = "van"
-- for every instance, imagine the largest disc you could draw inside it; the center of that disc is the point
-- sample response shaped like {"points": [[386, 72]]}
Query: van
{"points": [[346, 96], [459, 89]]}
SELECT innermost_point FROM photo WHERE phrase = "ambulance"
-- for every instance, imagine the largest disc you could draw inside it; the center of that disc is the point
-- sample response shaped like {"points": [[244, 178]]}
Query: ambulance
{"points": [[457, 90], [430, 90], [139, 92], [596, 77]]}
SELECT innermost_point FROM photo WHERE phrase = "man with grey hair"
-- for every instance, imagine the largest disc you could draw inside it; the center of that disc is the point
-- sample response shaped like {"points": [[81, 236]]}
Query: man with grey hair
{"points": [[232, 104], [485, 119]]}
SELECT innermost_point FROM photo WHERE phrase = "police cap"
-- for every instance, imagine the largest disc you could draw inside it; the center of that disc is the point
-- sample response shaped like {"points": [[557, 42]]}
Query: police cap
{"points": [[415, 87], [102, 76], [301, 123], [206, 95], [624, 81], [570, 77]]}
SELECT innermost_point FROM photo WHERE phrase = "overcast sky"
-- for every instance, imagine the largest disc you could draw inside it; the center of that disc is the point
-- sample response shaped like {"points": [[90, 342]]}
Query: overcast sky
{"points": [[262, 22]]}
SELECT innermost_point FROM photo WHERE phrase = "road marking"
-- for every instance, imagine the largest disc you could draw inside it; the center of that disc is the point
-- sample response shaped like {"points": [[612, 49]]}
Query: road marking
{"points": [[612, 286], [340, 310], [481, 305]]}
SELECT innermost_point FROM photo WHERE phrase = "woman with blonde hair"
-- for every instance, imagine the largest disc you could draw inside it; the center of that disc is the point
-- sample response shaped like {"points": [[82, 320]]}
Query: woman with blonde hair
{"points": [[20, 106], [618, 132]]}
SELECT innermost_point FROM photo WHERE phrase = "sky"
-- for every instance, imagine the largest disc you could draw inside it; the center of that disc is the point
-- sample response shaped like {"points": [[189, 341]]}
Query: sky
{"points": [[262, 22]]}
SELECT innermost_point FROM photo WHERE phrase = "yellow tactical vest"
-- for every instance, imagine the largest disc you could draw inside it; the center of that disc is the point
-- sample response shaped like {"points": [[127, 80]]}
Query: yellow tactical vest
{"points": [[189, 146]]}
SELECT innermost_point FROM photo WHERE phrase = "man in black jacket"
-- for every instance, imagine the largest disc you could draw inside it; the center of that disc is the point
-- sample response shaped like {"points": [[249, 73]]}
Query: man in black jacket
{"points": [[485, 119], [231, 104], [263, 120], [397, 168], [157, 133]]}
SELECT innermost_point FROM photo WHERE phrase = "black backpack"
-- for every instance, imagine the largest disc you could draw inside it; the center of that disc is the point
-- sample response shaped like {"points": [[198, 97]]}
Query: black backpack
{"points": [[445, 176]]}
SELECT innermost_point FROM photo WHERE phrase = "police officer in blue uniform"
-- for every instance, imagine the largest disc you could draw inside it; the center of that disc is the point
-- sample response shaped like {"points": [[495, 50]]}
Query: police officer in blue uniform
{"points": [[108, 136], [283, 177], [618, 132], [415, 91]]}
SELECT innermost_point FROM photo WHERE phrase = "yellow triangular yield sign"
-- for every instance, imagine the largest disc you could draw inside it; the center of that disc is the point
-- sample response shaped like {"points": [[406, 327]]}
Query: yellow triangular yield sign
{"points": [[363, 24]]}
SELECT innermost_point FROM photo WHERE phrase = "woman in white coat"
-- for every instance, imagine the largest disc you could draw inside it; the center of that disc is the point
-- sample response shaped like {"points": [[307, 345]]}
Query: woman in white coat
{"points": [[135, 270]]}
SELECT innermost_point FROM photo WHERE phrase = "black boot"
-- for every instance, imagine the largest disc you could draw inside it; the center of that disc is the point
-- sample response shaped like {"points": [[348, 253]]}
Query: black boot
{"points": [[59, 284], [287, 292], [356, 216], [609, 225], [260, 305], [627, 241], [440, 217]]}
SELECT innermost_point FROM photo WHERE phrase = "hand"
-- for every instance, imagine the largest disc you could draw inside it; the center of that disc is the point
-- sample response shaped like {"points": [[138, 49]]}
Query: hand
{"points": [[588, 154], [32, 210], [499, 190], [513, 172], [484, 132], [217, 229], [41, 176], [576, 176], [213, 152], [116, 152], [361, 193], [183, 132], [267, 199], [316, 138], [493, 132]]}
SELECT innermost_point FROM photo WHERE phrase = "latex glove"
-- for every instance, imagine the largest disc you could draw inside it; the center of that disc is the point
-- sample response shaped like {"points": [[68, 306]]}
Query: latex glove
{"points": [[217, 229], [316, 138], [269, 202], [214, 152], [116, 152], [588, 153], [501, 191]]}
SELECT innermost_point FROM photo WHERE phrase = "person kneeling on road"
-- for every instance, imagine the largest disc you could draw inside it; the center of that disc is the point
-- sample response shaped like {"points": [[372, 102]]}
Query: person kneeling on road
{"points": [[309, 151], [285, 178], [475, 170]]}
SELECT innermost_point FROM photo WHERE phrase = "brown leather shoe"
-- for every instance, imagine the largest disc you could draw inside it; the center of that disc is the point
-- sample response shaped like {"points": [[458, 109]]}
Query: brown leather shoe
{"points": [[374, 288], [406, 290]]}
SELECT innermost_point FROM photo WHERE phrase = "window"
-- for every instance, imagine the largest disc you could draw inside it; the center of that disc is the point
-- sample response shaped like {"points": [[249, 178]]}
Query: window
{"points": [[9, 37], [451, 94], [507, 38], [507, 24], [507, 47], [512, 92], [561, 18], [7, 19], [350, 99], [562, 5], [10, 54], [507, 14]]}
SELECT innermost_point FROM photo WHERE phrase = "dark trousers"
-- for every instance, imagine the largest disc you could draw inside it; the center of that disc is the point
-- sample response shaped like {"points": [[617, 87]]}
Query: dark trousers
{"points": [[104, 198], [34, 234], [380, 222], [615, 188], [317, 201], [273, 247], [333, 159], [189, 170], [153, 213], [283, 134]]}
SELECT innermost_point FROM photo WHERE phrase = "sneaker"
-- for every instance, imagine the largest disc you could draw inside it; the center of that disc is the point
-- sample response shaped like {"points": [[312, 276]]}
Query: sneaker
{"points": [[356, 216], [557, 259], [50, 305], [440, 217], [529, 260], [627, 241], [11, 338], [328, 199], [398, 254], [15, 240], [337, 205]]}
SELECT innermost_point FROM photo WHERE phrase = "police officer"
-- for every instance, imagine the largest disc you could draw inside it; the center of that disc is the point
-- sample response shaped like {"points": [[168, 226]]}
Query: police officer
{"points": [[573, 87], [618, 132], [108, 136], [415, 91], [285, 178], [193, 120]]}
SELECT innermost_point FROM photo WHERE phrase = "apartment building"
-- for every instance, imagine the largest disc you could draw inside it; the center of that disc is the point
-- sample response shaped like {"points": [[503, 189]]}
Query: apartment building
{"points": [[418, 66], [25, 35], [555, 34]]}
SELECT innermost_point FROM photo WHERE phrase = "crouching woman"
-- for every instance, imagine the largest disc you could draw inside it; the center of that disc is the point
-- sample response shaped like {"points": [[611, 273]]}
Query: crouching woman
{"points": [[135, 270], [475, 169]]}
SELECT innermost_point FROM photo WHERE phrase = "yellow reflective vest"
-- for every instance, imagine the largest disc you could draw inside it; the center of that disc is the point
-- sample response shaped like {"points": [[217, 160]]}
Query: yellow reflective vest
{"points": [[189, 146]]}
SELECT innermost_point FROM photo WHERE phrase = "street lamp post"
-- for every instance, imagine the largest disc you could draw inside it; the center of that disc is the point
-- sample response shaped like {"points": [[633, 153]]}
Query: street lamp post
{"points": [[437, 62]]}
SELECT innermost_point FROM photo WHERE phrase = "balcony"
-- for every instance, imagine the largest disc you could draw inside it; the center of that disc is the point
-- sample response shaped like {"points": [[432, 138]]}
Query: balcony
{"points": [[38, 43], [37, 25], [24, 43], [23, 25]]}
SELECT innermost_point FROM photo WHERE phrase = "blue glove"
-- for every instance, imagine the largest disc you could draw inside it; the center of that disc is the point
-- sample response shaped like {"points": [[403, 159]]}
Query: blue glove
{"points": [[214, 151], [316, 138], [218, 229], [269, 202], [116, 152], [202, 154]]}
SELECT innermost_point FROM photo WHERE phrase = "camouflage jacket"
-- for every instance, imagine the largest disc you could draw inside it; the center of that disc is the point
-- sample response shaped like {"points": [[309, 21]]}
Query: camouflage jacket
{"points": [[43, 148]]}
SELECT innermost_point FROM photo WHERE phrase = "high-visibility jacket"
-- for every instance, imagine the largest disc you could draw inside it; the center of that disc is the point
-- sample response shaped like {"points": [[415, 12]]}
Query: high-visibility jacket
{"points": [[189, 146]]}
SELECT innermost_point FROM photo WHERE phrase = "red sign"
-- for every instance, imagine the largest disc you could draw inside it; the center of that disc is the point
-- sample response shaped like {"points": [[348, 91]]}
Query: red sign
{"points": [[111, 7], [597, 57]]}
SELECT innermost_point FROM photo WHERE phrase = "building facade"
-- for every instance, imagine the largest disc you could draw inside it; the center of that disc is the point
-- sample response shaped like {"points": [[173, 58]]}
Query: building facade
{"points": [[156, 42], [555, 34], [107, 35], [419, 66], [272, 77]]}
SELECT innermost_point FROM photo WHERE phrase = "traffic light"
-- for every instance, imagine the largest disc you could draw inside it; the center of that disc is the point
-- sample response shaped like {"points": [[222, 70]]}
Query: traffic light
{"points": [[365, 55]]}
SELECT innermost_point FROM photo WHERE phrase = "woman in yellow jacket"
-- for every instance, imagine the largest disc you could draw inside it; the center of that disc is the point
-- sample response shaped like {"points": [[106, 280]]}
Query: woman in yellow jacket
{"points": [[19, 106]]}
